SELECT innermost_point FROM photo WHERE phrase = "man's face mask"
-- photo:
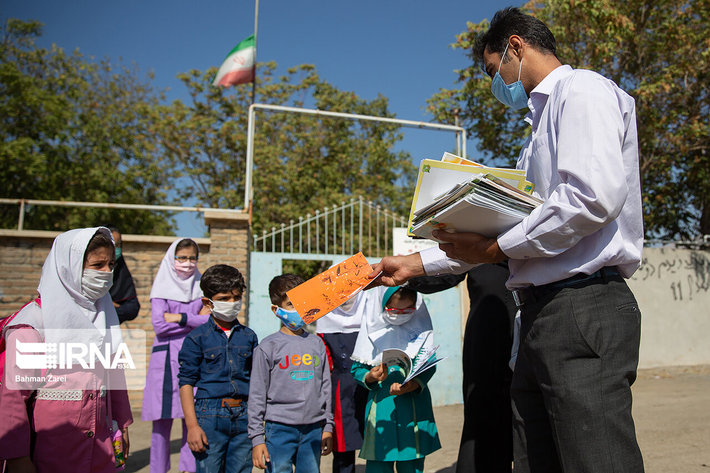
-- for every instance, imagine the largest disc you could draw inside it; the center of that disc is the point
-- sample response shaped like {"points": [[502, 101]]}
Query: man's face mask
{"points": [[513, 95]]}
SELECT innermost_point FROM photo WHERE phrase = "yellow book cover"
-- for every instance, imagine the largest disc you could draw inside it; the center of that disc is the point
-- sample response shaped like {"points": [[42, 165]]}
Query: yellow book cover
{"points": [[453, 159], [437, 177]]}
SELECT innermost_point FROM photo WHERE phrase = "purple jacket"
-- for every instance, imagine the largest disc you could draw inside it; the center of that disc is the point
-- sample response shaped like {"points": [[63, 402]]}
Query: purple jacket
{"points": [[161, 398]]}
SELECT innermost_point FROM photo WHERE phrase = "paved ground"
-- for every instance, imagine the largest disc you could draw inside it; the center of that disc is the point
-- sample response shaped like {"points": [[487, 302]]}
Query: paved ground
{"points": [[671, 409]]}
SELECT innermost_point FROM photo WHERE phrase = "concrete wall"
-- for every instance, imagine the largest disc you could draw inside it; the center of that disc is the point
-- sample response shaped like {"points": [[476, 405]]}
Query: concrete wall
{"points": [[22, 254], [673, 290]]}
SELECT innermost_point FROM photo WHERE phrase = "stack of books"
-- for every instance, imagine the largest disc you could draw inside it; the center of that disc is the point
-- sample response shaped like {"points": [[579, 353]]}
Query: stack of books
{"points": [[475, 198]]}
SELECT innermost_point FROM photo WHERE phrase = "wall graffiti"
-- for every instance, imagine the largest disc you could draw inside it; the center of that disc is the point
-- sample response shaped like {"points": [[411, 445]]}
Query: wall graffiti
{"points": [[687, 274]]}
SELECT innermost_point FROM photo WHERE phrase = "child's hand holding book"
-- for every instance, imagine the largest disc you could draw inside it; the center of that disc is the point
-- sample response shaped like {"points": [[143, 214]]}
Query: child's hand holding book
{"points": [[397, 389], [376, 374]]}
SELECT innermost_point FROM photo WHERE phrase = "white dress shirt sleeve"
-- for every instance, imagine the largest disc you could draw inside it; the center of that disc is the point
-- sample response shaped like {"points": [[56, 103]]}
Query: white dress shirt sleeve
{"points": [[591, 187], [436, 263]]}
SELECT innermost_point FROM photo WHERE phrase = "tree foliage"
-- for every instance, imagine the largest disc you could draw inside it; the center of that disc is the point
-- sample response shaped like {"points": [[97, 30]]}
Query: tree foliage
{"points": [[302, 162], [76, 130], [656, 50]]}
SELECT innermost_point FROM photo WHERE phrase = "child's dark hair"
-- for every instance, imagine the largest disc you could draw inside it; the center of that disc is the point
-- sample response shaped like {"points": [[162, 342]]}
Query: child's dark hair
{"points": [[280, 285], [187, 243], [221, 278], [99, 240], [405, 293]]}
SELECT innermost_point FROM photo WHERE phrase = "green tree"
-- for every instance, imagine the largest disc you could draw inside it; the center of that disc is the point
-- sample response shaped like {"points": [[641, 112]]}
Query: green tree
{"points": [[301, 162], [656, 50], [76, 130]]}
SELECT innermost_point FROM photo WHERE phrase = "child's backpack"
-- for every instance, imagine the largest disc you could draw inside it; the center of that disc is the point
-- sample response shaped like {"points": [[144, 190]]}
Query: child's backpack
{"points": [[4, 323]]}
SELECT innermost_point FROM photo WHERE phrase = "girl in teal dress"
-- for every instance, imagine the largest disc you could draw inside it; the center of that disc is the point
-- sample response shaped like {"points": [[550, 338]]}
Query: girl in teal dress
{"points": [[399, 419]]}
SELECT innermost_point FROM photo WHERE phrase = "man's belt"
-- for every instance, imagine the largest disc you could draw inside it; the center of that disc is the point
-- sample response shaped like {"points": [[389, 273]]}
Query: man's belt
{"points": [[533, 293]]}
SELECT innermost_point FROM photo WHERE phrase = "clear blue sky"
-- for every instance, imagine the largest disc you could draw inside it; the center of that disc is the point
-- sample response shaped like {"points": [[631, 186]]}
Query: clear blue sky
{"points": [[397, 48]]}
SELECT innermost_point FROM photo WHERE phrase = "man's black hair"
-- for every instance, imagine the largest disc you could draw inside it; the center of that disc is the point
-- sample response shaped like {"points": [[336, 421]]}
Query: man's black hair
{"points": [[221, 278], [511, 21], [280, 285]]}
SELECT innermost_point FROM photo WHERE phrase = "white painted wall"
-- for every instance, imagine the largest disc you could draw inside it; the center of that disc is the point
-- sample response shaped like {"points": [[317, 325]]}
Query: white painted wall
{"points": [[672, 287]]}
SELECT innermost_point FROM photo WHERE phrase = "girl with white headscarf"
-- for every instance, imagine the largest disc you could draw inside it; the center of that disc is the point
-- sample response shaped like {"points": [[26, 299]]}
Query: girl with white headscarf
{"points": [[339, 329], [58, 420], [399, 418], [176, 309]]}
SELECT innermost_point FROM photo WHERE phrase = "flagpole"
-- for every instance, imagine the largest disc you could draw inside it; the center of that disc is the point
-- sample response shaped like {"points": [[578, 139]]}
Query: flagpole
{"points": [[250, 152], [256, 28]]}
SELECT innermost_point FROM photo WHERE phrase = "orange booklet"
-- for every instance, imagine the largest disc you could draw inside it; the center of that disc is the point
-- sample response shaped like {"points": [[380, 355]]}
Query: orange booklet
{"points": [[331, 288]]}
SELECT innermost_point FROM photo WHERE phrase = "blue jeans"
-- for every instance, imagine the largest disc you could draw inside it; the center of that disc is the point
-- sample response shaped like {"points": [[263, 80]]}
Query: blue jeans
{"points": [[229, 448], [298, 445]]}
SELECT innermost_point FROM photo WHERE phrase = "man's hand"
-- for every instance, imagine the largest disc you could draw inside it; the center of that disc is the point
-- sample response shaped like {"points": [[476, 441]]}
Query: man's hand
{"points": [[397, 389], [376, 374], [196, 439], [172, 318], [326, 443], [260, 456], [470, 247], [397, 269]]}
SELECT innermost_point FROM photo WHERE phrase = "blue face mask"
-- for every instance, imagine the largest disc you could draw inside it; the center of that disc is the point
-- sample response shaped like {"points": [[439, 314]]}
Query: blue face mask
{"points": [[118, 252], [513, 95], [290, 318]]}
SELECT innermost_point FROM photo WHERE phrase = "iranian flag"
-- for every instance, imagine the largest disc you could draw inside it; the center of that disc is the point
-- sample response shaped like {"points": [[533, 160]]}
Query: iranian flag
{"points": [[239, 66]]}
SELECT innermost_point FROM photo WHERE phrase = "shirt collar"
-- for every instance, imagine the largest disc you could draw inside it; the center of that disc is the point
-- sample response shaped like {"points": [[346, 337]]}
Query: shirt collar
{"points": [[539, 95], [220, 329]]}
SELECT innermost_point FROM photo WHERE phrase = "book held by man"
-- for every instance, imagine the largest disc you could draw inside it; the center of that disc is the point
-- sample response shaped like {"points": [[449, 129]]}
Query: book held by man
{"points": [[459, 195]]}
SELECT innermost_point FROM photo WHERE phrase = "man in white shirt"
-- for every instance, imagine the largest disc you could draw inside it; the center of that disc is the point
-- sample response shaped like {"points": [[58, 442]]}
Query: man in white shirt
{"points": [[580, 324]]}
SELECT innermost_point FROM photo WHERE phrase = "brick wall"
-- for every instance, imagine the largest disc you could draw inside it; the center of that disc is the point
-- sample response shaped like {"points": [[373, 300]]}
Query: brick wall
{"points": [[22, 254]]}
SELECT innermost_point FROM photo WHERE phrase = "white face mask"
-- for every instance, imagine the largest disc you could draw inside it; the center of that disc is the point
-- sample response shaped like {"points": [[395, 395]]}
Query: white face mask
{"points": [[226, 311], [95, 284], [398, 317]]}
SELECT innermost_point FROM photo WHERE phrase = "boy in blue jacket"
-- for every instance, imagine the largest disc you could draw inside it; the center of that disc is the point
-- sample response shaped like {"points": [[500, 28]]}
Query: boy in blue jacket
{"points": [[216, 358]]}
